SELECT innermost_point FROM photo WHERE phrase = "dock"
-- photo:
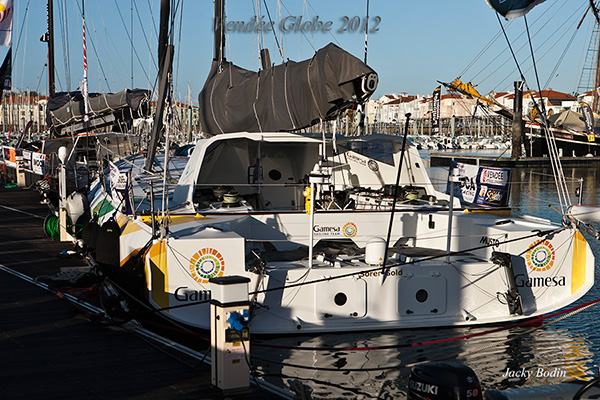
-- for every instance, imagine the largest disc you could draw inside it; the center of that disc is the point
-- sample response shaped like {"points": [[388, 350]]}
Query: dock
{"points": [[445, 159], [51, 351]]}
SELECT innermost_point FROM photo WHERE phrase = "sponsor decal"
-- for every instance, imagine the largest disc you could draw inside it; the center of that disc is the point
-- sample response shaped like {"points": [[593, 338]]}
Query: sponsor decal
{"points": [[494, 176], [423, 387], [350, 230], [482, 185], [374, 274], [493, 196], [373, 166], [541, 256], [540, 281], [482, 191], [326, 230], [490, 241], [205, 264], [353, 157], [183, 293]]}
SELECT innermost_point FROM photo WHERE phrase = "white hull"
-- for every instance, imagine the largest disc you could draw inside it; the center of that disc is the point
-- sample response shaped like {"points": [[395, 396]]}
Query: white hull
{"points": [[423, 287], [464, 291]]}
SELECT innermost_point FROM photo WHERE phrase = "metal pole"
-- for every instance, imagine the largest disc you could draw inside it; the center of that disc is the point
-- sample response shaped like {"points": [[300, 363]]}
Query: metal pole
{"points": [[51, 85], [311, 238], [389, 233], [454, 178]]}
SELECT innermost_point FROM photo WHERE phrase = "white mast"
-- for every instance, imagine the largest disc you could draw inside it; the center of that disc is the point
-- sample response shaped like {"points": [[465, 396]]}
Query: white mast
{"points": [[84, 84]]}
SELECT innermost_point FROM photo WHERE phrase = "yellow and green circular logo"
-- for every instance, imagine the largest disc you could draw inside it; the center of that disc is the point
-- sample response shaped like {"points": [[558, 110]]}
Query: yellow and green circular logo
{"points": [[541, 256], [350, 230], [207, 263]]}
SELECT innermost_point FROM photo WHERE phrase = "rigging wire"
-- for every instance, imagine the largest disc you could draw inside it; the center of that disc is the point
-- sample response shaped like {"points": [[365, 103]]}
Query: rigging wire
{"points": [[560, 177], [63, 17], [14, 52], [482, 52], [487, 67], [543, 43], [301, 31], [151, 8], [137, 11], [560, 59], [92, 42], [178, 51], [16, 48], [330, 31], [588, 40], [552, 149], [131, 41], [274, 32], [539, 31], [109, 38]]}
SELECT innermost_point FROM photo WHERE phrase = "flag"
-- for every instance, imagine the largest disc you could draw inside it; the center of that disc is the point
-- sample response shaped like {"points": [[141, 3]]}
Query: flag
{"points": [[6, 72], [513, 8], [6, 20], [588, 118], [435, 115]]}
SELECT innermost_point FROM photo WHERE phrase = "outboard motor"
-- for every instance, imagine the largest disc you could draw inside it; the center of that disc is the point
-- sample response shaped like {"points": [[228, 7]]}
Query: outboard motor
{"points": [[443, 381]]}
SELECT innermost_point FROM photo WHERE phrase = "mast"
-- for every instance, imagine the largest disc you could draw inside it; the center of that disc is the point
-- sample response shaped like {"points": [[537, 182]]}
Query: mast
{"points": [[165, 63], [597, 80], [517, 127], [84, 84], [50, 33], [219, 31]]}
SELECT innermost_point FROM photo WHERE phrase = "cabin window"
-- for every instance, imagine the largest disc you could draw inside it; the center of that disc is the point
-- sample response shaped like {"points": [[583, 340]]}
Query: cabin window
{"points": [[378, 150]]}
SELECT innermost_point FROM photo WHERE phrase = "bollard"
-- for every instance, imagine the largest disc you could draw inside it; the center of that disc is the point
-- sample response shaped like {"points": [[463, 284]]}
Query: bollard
{"points": [[229, 333], [62, 193], [20, 171]]}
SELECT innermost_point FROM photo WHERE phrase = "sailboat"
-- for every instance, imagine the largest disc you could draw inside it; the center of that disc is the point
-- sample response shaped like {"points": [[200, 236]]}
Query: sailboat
{"points": [[92, 126], [305, 217]]}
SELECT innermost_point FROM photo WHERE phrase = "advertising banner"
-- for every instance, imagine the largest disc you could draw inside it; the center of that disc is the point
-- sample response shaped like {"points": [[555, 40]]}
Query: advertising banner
{"points": [[485, 186]]}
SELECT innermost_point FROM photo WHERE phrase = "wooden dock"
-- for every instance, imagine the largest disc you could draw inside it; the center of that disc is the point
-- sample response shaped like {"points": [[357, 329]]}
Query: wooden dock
{"points": [[444, 160], [51, 352]]}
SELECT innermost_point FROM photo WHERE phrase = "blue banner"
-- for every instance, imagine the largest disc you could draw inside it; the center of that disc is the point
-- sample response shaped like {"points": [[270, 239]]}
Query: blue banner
{"points": [[486, 186]]}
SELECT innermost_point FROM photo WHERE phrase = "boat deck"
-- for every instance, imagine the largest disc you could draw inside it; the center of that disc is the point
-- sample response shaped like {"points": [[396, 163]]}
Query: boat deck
{"points": [[52, 352]]}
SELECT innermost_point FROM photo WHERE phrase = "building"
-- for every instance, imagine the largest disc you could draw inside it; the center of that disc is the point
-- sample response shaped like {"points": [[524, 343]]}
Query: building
{"points": [[18, 108]]}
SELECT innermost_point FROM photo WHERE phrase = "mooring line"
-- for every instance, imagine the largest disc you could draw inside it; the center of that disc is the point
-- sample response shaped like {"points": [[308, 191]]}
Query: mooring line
{"points": [[21, 211]]}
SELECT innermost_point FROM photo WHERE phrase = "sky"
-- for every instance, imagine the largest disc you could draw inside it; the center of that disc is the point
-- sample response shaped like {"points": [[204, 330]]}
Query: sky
{"points": [[414, 44]]}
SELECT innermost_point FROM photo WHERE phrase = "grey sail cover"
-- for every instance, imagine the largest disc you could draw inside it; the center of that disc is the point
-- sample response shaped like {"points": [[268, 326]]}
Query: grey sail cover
{"points": [[286, 97], [66, 108]]}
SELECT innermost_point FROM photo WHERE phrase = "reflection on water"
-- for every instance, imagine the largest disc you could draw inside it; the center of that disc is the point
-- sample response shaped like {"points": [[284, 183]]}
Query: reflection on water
{"points": [[552, 352], [560, 350]]}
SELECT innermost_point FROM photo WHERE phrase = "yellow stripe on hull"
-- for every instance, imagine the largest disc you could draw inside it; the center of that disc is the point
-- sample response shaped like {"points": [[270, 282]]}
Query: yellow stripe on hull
{"points": [[579, 259], [159, 274]]}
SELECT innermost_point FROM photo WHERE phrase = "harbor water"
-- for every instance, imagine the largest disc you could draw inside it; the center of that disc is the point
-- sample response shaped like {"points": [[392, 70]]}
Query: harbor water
{"points": [[354, 366]]}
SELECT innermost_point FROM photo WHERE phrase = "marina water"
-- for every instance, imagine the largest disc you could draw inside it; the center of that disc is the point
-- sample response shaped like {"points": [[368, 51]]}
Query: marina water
{"points": [[347, 367]]}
